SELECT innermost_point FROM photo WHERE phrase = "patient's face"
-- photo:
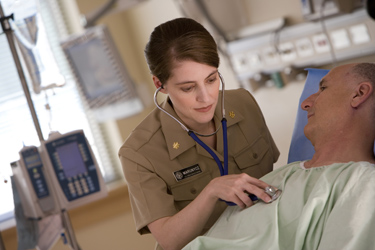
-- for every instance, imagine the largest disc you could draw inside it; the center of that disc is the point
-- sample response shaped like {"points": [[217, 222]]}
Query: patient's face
{"points": [[327, 108]]}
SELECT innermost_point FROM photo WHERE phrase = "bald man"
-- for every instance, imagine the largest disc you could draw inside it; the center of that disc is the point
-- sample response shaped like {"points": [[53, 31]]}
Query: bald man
{"points": [[328, 202]]}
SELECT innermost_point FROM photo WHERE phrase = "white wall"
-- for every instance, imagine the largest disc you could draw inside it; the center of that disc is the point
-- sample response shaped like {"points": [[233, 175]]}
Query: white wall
{"points": [[279, 107]]}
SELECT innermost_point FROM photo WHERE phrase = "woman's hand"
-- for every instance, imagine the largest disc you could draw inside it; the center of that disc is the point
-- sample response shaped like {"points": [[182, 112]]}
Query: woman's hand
{"points": [[176, 231], [236, 188]]}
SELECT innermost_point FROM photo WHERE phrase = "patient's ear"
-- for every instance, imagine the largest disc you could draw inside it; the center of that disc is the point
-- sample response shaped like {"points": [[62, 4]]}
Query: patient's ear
{"points": [[362, 92], [158, 84]]}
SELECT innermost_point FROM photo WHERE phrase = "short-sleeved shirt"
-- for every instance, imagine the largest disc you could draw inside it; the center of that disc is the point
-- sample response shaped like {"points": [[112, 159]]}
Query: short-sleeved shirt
{"points": [[165, 169]]}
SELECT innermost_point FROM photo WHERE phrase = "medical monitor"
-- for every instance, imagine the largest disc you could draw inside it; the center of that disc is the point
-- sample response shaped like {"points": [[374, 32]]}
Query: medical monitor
{"points": [[59, 175], [73, 168], [99, 70]]}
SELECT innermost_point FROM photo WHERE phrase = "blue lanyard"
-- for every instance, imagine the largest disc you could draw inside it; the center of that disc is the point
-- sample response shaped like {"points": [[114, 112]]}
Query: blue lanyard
{"points": [[223, 169]]}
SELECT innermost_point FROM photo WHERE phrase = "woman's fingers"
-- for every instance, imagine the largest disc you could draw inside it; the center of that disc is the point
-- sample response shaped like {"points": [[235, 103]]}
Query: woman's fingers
{"points": [[241, 189]]}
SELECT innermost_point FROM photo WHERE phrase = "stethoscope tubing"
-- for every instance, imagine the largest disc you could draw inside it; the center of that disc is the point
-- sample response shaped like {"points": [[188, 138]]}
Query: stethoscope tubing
{"points": [[223, 169]]}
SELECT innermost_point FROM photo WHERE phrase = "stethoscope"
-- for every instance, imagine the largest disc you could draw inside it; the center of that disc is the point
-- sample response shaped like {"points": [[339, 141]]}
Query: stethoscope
{"points": [[274, 193]]}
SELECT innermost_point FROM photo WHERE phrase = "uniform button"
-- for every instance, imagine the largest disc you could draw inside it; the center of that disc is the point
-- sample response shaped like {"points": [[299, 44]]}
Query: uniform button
{"points": [[193, 191], [255, 155]]}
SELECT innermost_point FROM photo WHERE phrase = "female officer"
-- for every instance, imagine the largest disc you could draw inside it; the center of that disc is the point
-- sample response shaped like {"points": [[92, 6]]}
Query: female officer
{"points": [[175, 186]]}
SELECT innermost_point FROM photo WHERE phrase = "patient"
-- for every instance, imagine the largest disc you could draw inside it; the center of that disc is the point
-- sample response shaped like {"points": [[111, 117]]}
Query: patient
{"points": [[327, 202]]}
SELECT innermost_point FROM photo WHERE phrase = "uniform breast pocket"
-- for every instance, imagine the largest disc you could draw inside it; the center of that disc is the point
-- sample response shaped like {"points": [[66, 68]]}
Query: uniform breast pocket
{"points": [[187, 190], [253, 159]]}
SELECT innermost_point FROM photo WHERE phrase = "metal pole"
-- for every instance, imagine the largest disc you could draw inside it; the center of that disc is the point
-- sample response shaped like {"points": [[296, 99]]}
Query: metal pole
{"points": [[8, 32], [69, 230], [2, 247]]}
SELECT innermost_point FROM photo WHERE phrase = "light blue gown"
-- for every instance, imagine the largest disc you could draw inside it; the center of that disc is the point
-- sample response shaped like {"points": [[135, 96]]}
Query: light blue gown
{"points": [[328, 207]]}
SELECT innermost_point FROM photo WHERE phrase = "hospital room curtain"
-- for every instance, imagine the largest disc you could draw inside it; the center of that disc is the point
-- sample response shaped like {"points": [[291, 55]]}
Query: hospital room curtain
{"points": [[68, 110]]}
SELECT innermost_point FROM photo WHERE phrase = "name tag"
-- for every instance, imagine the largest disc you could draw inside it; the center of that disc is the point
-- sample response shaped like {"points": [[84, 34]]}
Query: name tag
{"points": [[187, 172]]}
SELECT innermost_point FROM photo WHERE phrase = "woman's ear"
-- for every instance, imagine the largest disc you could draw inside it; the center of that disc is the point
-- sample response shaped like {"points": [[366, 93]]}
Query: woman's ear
{"points": [[362, 92], [158, 84]]}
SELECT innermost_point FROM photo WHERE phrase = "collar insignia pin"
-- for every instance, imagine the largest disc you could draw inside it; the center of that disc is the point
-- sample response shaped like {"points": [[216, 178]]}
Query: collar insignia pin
{"points": [[176, 145], [232, 114]]}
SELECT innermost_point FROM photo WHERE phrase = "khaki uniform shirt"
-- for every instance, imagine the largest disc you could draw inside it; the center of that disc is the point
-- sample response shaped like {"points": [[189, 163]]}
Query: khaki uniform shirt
{"points": [[166, 169]]}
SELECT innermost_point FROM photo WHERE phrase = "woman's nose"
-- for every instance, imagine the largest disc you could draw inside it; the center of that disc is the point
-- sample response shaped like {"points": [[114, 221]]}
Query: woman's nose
{"points": [[203, 94]]}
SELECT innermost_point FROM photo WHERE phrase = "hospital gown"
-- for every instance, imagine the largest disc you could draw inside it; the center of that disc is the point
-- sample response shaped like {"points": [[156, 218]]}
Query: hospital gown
{"points": [[328, 207]]}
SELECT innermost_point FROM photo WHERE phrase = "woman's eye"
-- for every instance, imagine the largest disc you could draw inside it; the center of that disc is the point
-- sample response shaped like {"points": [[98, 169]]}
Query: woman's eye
{"points": [[211, 80], [322, 88], [187, 89]]}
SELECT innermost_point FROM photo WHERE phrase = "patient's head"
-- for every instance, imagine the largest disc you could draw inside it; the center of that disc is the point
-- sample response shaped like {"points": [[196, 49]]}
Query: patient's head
{"points": [[343, 104], [365, 72]]}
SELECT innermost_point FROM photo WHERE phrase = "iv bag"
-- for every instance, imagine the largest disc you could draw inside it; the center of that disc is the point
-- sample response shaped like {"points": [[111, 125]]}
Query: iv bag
{"points": [[37, 54], [33, 44]]}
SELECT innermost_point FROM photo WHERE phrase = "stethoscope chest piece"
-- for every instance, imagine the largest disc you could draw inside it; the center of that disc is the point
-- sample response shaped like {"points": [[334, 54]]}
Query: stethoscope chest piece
{"points": [[273, 192]]}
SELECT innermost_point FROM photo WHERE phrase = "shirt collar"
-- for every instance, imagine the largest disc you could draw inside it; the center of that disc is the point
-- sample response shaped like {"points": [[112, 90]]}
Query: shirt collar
{"points": [[177, 139], [232, 114]]}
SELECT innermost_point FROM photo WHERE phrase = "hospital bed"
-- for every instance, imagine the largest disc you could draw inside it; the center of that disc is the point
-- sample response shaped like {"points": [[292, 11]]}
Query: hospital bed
{"points": [[300, 147]]}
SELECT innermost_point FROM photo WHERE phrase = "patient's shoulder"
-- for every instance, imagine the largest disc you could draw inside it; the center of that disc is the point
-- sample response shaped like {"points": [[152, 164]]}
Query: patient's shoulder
{"points": [[281, 173], [363, 168]]}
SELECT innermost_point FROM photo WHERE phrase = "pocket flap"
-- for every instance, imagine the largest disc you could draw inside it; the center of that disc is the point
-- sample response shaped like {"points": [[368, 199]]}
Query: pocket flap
{"points": [[189, 189], [253, 154]]}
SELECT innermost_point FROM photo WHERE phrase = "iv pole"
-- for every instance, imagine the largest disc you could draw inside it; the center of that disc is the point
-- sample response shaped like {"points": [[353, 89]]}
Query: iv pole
{"points": [[9, 33], [2, 247]]}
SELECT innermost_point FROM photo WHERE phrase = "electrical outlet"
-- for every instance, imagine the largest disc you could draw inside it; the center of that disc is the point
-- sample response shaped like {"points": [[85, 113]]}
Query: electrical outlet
{"points": [[359, 34], [304, 47], [254, 60], [271, 56], [340, 39], [321, 43], [240, 63], [287, 52]]}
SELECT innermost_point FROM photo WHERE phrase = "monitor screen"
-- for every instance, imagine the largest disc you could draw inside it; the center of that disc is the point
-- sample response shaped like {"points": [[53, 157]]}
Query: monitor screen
{"points": [[71, 159], [95, 68], [98, 67], [33, 160], [101, 75]]}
